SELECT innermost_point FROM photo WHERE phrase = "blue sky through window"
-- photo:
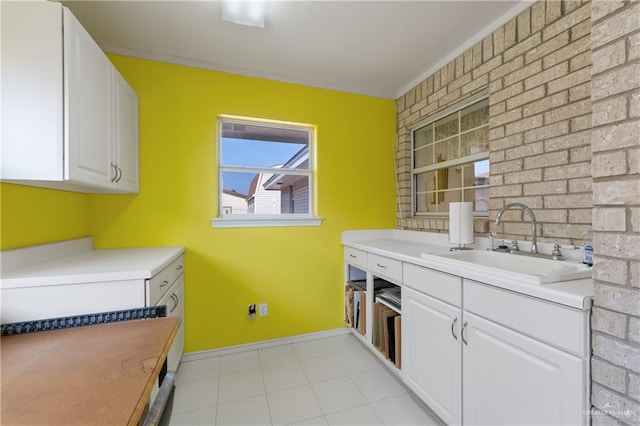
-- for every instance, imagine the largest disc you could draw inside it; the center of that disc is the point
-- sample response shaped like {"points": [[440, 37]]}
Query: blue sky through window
{"points": [[252, 153]]}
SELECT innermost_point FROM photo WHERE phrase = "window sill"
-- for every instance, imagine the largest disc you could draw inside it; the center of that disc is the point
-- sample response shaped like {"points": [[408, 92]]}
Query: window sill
{"points": [[265, 221]]}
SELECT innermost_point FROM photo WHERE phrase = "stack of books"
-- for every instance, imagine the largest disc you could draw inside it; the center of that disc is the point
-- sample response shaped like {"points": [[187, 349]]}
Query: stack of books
{"points": [[387, 332], [391, 295], [355, 304]]}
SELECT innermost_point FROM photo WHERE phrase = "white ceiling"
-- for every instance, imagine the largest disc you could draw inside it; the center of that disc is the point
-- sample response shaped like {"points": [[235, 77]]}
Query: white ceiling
{"points": [[377, 48]]}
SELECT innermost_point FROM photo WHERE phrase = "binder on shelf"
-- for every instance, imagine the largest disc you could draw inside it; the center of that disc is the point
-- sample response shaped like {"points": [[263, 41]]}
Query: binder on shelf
{"points": [[362, 313], [385, 330], [398, 334], [377, 308], [348, 306], [356, 308], [381, 328], [391, 343]]}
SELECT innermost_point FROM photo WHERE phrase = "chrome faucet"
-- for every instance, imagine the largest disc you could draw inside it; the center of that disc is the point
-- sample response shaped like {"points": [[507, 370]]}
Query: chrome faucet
{"points": [[534, 224]]}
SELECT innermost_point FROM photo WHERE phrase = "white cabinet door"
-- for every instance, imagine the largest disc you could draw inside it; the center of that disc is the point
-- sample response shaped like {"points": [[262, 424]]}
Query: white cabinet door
{"points": [[32, 91], [432, 353], [88, 110], [174, 300], [510, 379], [178, 347], [125, 141]]}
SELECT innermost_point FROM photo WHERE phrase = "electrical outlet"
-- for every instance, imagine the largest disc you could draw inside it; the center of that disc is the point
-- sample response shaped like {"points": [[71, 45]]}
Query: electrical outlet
{"points": [[251, 313], [264, 311]]}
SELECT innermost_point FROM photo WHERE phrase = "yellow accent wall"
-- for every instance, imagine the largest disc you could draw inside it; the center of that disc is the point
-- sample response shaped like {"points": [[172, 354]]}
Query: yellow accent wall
{"points": [[30, 215], [298, 270]]}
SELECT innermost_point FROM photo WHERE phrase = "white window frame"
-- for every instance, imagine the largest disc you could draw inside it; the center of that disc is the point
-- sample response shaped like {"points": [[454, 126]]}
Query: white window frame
{"points": [[265, 220], [446, 164]]}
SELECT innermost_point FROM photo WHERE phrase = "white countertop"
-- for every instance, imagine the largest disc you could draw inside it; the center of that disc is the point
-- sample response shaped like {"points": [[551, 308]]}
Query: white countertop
{"points": [[75, 261], [408, 246]]}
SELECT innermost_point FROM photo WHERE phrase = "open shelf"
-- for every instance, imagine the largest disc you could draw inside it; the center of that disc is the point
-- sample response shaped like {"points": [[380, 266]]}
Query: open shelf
{"points": [[356, 308], [355, 299], [373, 307]]}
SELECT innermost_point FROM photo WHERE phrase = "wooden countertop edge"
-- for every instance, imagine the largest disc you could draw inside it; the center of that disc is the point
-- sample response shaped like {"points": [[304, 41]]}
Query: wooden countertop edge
{"points": [[135, 418]]}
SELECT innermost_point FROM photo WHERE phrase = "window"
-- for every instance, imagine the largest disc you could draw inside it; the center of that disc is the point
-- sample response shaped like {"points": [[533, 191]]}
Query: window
{"points": [[451, 159], [265, 173]]}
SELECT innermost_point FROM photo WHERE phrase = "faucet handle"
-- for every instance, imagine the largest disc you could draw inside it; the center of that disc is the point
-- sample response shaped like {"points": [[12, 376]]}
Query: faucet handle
{"points": [[556, 254], [514, 246]]}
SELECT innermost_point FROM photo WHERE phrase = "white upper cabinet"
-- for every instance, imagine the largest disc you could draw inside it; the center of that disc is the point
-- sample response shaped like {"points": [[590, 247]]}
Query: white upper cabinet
{"points": [[88, 110], [70, 121], [125, 158]]}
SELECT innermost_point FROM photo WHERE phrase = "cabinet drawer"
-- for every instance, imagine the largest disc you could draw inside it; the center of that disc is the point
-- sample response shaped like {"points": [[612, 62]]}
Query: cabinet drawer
{"points": [[355, 256], [445, 287], [159, 284], [385, 267], [558, 325], [176, 268]]}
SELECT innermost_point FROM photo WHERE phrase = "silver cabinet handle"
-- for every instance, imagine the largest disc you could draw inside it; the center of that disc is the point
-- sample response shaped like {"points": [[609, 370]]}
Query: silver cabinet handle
{"points": [[464, 325], [164, 283], [115, 175], [381, 266], [353, 256], [119, 174], [175, 299], [179, 267], [453, 324]]}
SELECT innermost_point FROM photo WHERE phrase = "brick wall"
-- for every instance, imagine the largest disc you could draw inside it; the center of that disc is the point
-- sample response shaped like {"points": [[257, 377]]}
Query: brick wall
{"points": [[563, 80], [615, 44], [537, 70], [286, 195], [301, 196], [299, 193]]}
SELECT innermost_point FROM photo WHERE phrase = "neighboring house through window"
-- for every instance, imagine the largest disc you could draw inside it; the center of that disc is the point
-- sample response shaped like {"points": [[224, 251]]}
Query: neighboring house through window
{"points": [[233, 202], [261, 200], [270, 162], [451, 159], [293, 189]]}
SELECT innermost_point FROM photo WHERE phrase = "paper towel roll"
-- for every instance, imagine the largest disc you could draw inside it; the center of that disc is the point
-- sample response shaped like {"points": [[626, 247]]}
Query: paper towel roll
{"points": [[461, 223]]}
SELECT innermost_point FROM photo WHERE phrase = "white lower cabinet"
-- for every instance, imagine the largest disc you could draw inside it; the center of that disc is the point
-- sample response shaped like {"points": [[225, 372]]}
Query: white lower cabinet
{"points": [[511, 379], [479, 354], [174, 300], [432, 353]]}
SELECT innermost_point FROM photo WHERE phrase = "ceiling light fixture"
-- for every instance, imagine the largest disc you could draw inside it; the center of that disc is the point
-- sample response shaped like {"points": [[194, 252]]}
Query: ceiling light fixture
{"points": [[245, 12]]}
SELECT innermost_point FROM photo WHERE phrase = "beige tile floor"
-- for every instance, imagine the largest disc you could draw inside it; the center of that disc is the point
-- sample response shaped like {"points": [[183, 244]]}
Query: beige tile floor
{"points": [[328, 381]]}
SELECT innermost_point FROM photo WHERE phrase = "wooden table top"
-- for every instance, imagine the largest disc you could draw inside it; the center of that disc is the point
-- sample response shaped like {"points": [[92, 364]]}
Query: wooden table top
{"points": [[99, 374]]}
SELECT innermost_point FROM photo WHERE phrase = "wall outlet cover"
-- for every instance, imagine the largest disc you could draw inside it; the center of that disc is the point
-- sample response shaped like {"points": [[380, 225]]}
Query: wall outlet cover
{"points": [[264, 311]]}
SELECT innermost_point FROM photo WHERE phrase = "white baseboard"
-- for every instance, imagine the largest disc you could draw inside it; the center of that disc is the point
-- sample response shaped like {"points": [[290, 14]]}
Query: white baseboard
{"points": [[193, 356]]}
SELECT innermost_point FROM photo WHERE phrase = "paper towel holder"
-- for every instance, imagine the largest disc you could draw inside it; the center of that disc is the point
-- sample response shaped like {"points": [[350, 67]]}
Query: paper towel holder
{"points": [[461, 225]]}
